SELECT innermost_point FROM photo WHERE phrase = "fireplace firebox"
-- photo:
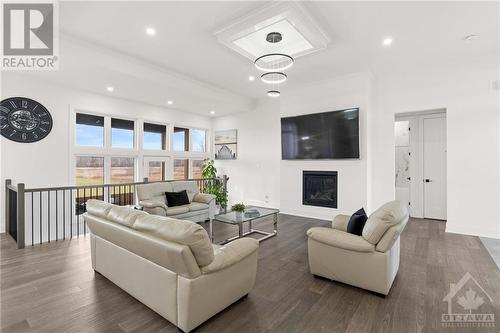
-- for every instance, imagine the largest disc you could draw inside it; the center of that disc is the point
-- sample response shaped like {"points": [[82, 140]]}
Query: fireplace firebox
{"points": [[319, 188]]}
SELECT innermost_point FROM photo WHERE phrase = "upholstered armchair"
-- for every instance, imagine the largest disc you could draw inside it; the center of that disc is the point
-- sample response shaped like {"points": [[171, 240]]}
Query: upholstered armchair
{"points": [[369, 261]]}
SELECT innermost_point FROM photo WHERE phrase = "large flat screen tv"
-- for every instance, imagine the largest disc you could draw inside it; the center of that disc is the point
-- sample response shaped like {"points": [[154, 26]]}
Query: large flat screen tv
{"points": [[327, 135]]}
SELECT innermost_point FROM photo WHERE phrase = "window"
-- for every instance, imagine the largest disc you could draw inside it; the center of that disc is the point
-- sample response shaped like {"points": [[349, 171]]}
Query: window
{"points": [[181, 169], [156, 171], [122, 133], [154, 136], [199, 138], [89, 170], [181, 139], [122, 170], [89, 130], [197, 169]]}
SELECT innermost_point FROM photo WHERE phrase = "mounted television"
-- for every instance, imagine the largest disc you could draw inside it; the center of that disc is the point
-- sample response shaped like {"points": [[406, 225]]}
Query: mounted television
{"points": [[327, 135]]}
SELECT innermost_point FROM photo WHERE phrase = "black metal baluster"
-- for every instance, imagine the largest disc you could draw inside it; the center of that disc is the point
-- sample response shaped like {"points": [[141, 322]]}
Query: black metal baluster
{"points": [[57, 215], [80, 208], [32, 219], [64, 214], [40, 216], [129, 195], [71, 213], [48, 216]]}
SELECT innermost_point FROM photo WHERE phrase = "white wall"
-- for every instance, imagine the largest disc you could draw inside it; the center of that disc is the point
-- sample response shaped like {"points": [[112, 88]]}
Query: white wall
{"points": [[46, 163], [341, 93], [473, 127], [254, 175], [259, 171], [472, 109]]}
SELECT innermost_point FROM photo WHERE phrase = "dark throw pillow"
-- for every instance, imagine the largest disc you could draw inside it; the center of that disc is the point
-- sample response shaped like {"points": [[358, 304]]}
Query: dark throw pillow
{"points": [[357, 222], [177, 198]]}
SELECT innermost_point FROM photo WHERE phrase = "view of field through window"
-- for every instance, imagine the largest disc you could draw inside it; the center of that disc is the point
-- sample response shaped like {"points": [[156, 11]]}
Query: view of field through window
{"points": [[156, 171], [181, 169], [91, 131]]}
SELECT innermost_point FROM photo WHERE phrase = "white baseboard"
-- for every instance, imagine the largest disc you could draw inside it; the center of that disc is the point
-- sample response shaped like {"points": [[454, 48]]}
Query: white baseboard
{"points": [[467, 230]]}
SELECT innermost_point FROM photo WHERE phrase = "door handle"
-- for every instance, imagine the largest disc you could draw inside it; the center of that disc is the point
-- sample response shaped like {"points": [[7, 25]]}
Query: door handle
{"points": [[427, 180]]}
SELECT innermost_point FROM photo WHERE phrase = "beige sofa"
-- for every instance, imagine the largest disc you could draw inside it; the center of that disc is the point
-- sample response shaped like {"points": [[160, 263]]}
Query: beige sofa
{"points": [[370, 261], [169, 264], [152, 197]]}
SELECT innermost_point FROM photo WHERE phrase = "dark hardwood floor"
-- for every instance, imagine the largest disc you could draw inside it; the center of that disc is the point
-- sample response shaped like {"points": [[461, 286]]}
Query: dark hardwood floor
{"points": [[52, 288]]}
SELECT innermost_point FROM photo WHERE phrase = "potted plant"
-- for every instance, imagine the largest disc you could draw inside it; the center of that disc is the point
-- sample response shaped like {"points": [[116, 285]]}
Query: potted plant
{"points": [[212, 186], [239, 210]]}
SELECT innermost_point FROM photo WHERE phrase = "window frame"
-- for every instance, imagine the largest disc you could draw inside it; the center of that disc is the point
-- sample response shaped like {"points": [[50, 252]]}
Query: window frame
{"points": [[110, 129], [138, 152], [191, 139], [167, 138]]}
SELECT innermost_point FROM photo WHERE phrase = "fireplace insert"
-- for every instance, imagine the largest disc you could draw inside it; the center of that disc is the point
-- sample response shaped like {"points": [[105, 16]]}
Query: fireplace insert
{"points": [[319, 188]]}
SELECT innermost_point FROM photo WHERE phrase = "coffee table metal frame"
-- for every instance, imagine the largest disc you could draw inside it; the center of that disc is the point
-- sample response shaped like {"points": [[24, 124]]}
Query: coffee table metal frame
{"points": [[251, 230]]}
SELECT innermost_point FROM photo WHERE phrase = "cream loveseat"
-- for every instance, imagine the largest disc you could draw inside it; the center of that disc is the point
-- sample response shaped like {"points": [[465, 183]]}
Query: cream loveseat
{"points": [[152, 197], [370, 261], [169, 264]]}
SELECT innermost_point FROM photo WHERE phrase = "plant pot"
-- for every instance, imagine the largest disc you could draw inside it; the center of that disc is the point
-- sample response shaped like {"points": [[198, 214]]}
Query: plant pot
{"points": [[239, 216], [218, 209]]}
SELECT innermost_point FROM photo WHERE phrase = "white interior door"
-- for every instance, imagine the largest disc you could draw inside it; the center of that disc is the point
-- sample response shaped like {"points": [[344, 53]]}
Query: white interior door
{"points": [[434, 166], [156, 168], [402, 167]]}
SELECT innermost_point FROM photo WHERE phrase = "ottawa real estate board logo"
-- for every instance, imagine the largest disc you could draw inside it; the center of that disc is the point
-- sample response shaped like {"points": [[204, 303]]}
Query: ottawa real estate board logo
{"points": [[30, 36], [469, 305]]}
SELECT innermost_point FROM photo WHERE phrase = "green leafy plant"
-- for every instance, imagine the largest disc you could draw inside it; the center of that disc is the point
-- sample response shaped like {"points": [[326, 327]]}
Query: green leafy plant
{"points": [[213, 186], [239, 207]]}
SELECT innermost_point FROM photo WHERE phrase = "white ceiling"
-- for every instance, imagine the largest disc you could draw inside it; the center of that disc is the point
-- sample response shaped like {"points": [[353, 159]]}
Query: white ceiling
{"points": [[104, 43]]}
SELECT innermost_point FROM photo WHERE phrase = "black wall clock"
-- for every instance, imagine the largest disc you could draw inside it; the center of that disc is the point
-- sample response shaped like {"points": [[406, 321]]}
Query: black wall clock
{"points": [[24, 120]]}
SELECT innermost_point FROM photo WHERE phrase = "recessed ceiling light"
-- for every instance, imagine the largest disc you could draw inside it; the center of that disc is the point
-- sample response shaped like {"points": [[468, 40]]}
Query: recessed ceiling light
{"points": [[110, 89], [470, 38], [212, 112], [170, 102], [387, 41], [150, 31], [251, 78]]}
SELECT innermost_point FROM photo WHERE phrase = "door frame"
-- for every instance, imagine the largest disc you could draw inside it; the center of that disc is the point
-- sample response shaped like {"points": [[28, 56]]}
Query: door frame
{"points": [[421, 159]]}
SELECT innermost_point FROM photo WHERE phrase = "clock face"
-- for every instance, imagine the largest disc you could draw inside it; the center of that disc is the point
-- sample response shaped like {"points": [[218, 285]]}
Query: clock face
{"points": [[24, 120]]}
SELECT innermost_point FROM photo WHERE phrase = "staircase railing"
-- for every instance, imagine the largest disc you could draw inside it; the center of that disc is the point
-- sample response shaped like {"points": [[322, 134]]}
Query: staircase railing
{"points": [[41, 215]]}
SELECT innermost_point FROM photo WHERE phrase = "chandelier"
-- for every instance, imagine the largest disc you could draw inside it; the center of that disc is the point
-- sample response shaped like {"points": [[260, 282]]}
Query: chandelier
{"points": [[274, 65]]}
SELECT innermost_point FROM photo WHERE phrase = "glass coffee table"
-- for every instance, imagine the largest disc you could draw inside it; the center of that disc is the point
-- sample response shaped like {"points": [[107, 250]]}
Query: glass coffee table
{"points": [[260, 212]]}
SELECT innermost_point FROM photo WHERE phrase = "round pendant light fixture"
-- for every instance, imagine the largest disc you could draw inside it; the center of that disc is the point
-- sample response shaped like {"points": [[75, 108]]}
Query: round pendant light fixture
{"points": [[273, 77], [273, 62], [273, 93]]}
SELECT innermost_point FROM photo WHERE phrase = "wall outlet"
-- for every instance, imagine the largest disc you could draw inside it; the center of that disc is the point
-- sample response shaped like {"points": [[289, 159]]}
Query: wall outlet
{"points": [[266, 198]]}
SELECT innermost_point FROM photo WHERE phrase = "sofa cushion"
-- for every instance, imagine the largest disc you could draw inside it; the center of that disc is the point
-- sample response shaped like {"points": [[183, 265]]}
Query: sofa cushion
{"points": [[177, 198], [357, 222], [171, 211], [195, 206], [124, 215], [98, 208], [382, 219], [340, 239], [190, 186], [152, 190], [179, 231]]}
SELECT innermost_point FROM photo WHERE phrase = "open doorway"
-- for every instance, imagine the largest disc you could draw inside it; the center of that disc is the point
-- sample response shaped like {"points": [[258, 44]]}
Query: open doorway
{"points": [[420, 162]]}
